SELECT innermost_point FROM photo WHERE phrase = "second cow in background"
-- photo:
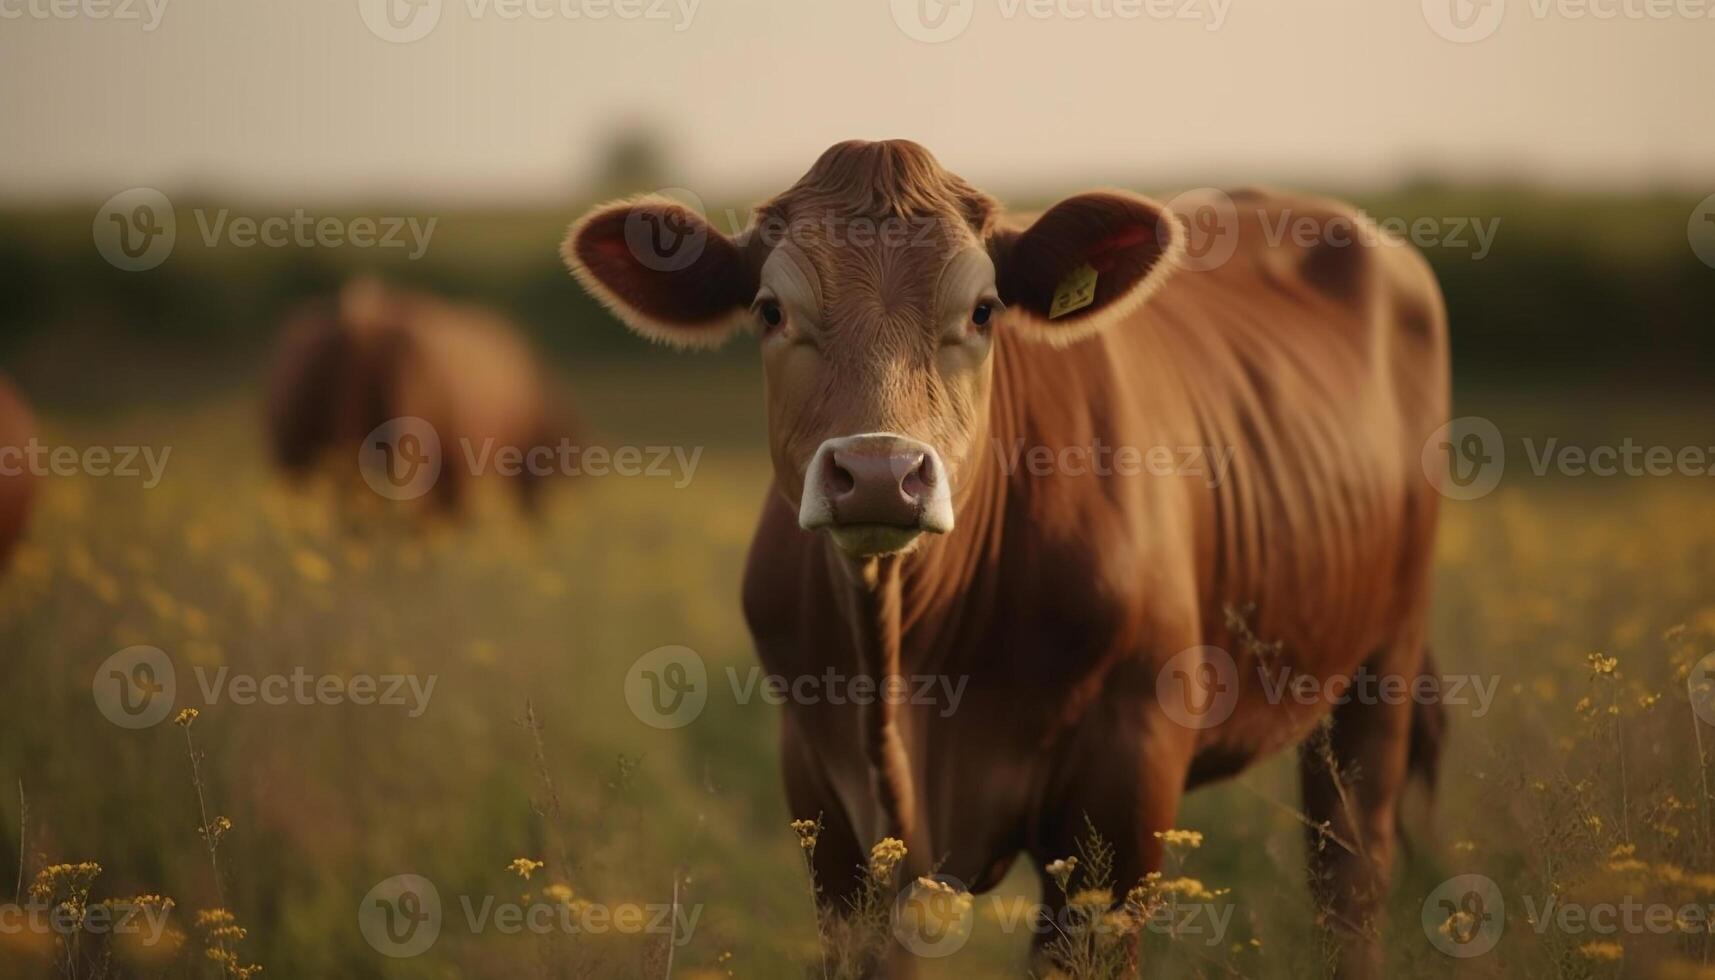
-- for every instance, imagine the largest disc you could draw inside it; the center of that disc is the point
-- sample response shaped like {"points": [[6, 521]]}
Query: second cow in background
{"points": [[426, 392]]}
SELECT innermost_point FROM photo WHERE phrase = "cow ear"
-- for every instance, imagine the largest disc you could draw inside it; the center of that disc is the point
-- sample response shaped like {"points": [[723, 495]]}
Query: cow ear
{"points": [[1084, 264], [662, 269]]}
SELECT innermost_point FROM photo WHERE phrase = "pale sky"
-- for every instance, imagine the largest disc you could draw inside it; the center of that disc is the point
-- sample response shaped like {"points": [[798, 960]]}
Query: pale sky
{"points": [[301, 101]]}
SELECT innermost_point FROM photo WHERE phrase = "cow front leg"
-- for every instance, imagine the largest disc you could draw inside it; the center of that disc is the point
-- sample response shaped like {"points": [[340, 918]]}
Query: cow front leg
{"points": [[1123, 774], [849, 943], [1352, 773]]}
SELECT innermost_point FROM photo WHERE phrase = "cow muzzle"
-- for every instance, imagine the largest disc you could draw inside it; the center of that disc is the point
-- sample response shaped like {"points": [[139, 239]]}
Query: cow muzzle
{"points": [[876, 493]]}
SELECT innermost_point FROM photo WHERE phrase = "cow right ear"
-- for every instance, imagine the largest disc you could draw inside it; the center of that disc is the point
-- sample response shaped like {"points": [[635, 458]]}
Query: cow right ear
{"points": [[1084, 265], [663, 269]]}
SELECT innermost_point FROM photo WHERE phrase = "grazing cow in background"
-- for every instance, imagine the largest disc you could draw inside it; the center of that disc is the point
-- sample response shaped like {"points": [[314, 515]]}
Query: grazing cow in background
{"points": [[375, 353], [909, 531], [17, 484]]}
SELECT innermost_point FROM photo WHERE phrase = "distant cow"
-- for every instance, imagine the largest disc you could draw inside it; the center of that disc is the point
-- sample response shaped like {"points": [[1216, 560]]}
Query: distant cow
{"points": [[914, 530], [349, 368], [17, 485]]}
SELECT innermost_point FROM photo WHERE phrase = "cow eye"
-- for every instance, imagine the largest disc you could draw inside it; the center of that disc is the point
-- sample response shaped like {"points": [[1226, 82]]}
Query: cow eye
{"points": [[983, 315], [770, 313]]}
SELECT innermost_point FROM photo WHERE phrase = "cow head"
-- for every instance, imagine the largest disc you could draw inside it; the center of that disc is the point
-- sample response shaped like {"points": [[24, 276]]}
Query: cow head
{"points": [[878, 285]]}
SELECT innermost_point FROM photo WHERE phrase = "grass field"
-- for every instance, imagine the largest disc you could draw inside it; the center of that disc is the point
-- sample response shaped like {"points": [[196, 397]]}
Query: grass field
{"points": [[1584, 781]]}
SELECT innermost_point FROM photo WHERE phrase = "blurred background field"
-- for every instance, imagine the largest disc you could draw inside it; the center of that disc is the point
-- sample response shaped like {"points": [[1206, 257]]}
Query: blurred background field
{"points": [[1578, 287]]}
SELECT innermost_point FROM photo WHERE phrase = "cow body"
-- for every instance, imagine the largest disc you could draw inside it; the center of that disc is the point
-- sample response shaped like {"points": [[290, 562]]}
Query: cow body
{"points": [[17, 489], [1072, 608], [376, 354], [1063, 595]]}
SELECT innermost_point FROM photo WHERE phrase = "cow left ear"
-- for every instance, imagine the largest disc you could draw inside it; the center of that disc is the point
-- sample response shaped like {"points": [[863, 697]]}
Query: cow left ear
{"points": [[1086, 263]]}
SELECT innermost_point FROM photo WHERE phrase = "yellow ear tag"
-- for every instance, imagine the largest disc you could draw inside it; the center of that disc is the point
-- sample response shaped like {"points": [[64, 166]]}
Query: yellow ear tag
{"points": [[1075, 292]]}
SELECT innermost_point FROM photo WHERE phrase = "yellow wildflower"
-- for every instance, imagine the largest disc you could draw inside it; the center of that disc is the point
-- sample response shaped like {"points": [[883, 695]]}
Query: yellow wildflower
{"points": [[524, 867], [885, 856], [1602, 951], [1180, 838]]}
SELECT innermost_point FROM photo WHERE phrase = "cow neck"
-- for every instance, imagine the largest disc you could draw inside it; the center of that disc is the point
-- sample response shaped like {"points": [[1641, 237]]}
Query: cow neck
{"points": [[929, 593], [870, 603]]}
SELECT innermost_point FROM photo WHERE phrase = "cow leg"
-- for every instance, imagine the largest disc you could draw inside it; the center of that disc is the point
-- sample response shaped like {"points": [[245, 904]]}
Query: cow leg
{"points": [[837, 862], [1124, 774], [1352, 776]]}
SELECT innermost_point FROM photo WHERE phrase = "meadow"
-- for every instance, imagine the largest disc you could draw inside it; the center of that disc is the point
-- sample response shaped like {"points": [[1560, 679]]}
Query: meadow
{"points": [[1583, 600], [1586, 601]]}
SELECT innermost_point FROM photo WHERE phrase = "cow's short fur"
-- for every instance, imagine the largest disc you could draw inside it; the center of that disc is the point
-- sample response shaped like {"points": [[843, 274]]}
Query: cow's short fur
{"points": [[1062, 596], [17, 484], [349, 363]]}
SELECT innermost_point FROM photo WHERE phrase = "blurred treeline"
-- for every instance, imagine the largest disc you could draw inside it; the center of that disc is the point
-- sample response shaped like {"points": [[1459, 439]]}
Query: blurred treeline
{"points": [[1577, 288]]}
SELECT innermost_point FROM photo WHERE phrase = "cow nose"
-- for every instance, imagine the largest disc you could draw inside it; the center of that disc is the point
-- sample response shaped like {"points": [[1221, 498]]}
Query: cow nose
{"points": [[877, 480]]}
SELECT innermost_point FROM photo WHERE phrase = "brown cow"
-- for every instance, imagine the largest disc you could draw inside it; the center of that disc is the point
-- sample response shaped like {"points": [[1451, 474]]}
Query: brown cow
{"points": [[17, 484], [348, 365], [905, 376]]}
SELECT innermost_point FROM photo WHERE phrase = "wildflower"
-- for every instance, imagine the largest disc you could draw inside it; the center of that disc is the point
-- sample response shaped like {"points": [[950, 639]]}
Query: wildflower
{"points": [[1063, 867], [885, 856], [1623, 859], [807, 830], [73, 880], [947, 904], [1458, 925], [185, 717], [213, 918], [1190, 888], [558, 893], [216, 829], [524, 867], [1602, 951], [1180, 838], [1091, 898], [1142, 900], [1601, 666]]}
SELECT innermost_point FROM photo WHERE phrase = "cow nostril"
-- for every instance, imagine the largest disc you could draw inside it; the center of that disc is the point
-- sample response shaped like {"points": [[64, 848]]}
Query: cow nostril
{"points": [[919, 477], [838, 480]]}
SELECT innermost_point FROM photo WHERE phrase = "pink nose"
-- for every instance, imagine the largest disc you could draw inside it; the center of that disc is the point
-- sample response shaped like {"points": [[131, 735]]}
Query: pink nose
{"points": [[877, 479], [877, 484]]}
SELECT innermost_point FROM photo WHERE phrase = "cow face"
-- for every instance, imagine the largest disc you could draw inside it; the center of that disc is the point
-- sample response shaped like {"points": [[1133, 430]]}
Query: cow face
{"points": [[877, 285]]}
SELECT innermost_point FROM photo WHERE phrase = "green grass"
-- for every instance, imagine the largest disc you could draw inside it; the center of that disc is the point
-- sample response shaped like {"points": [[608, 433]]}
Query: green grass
{"points": [[222, 564]]}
